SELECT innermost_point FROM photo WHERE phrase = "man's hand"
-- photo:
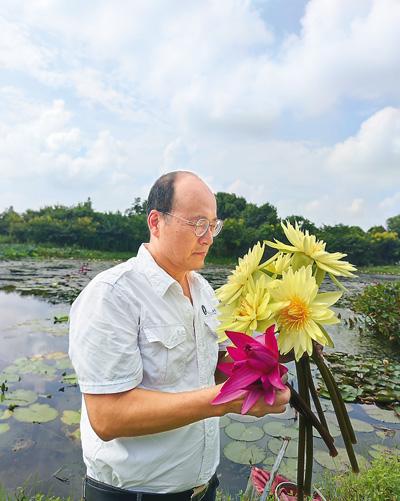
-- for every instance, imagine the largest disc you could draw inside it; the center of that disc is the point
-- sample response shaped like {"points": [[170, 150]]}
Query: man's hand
{"points": [[260, 408]]}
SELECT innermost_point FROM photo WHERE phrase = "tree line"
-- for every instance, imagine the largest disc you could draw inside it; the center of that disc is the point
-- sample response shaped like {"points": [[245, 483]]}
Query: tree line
{"points": [[245, 224]]}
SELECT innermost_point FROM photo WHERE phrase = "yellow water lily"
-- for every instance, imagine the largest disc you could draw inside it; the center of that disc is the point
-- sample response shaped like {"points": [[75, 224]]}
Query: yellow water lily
{"points": [[301, 311], [278, 263], [247, 265], [252, 312], [306, 249]]}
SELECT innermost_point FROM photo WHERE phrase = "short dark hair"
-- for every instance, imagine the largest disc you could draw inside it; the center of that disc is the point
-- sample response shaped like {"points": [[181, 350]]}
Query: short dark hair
{"points": [[161, 196]]}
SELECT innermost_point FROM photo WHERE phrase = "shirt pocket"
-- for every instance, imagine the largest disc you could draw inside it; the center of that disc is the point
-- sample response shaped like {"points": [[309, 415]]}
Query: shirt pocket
{"points": [[164, 350]]}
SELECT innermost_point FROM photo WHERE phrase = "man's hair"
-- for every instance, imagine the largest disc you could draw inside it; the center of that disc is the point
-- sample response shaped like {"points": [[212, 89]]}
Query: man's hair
{"points": [[161, 196]]}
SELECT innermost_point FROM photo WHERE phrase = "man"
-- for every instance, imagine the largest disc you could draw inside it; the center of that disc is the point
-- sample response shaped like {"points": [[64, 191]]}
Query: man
{"points": [[143, 345]]}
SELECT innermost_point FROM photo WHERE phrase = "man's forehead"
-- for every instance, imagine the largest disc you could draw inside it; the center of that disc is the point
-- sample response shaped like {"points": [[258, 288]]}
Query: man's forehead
{"points": [[191, 193]]}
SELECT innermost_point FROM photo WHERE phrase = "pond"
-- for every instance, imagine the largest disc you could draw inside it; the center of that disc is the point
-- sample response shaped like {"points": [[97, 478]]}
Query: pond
{"points": [[39, 439]]}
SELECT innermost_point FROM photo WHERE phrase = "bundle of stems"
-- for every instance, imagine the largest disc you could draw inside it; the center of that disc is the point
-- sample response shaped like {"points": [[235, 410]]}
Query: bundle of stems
{"points": [[307, 419]]}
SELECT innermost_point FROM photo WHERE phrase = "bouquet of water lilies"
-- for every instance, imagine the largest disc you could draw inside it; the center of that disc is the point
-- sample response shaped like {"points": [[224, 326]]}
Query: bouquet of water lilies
{"points": [[274, 308]]}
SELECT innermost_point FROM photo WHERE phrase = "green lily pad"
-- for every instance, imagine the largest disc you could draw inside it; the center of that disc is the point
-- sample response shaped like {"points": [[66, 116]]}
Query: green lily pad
{"points": [[238, 431], [379, 450], [334, 430], [243, 418], [75, 435], [71, 417], [224, 421], [288, 468], [339, 463], [381, 414], [64, 364], [361, 426], [9, 377], [36, 413], [279, 429], [5, 414], [4, 427], [70, 379], [275, 444], [241, 453], [33, 365], [20, 398], [386, 433]]}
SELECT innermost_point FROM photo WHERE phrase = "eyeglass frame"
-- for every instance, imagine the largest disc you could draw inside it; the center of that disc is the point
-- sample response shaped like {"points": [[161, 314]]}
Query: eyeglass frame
{"points": [[196, 224]]}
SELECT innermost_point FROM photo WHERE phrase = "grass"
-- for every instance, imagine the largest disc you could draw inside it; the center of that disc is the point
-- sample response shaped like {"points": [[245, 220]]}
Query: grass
{"points": [[385, 269], [15, 251], [20, 494]]}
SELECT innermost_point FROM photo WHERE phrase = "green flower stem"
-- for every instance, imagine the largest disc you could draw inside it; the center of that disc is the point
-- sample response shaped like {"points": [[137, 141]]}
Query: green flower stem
{"points": [[333, 392], [302, 439], [342, 405], [305, 369], [315, 398], [298, 403]]}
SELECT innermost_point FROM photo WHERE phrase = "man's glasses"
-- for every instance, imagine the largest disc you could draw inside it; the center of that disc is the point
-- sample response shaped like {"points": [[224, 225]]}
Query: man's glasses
{"points": [[202, 225]]}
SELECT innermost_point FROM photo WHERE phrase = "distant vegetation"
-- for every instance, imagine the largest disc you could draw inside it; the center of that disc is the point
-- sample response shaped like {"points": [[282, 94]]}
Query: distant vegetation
{"points": [[80, 226]]}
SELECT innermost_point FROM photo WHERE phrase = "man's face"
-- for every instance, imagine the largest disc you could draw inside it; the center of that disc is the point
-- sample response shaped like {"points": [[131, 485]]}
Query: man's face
{"points": [[179, 244]]}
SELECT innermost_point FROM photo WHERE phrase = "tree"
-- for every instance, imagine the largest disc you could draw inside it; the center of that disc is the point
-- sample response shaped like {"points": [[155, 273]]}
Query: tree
{"points": [[393, 224]]}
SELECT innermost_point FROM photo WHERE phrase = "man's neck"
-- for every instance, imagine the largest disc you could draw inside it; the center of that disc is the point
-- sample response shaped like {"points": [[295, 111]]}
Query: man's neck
{"points": [[182, 277]]}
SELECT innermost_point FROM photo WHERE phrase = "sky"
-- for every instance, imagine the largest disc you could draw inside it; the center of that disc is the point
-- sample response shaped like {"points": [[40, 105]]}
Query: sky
{"points": [[295, 103]]}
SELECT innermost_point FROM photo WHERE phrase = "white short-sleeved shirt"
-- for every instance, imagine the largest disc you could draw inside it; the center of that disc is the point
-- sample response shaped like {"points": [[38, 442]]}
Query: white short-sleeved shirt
{"points": [[132, 327]]}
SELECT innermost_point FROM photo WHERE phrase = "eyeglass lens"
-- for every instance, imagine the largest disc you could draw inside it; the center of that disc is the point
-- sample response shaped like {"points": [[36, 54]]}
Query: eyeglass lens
{"points": [[202, 226]]}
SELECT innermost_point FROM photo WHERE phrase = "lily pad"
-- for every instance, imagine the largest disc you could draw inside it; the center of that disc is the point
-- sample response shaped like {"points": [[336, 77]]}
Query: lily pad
{"points": [[224, 421], [241, 453], [381, 414], [23, 444], [334, 430], [20, 398], [4, 427], [36, 413], [279, 429], [339, 463], [5, 414], [75, 435], [64, 364], [9, 377], [379, 450], [70, 379], [238, 431], [288, 468], [71, 417], [361, 426], [243, 418], [275, 444]]}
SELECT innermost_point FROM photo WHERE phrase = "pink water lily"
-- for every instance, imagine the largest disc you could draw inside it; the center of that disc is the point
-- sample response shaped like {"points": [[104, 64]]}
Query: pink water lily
{"points": [[255, 371]]}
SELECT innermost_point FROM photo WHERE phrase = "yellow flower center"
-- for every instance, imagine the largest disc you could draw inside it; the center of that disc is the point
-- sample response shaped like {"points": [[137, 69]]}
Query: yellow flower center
{"points": [[295, 315]]}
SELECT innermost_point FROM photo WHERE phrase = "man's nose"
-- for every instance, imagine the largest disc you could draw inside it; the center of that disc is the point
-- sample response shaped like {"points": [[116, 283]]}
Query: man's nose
{"points": [[207, 238]]}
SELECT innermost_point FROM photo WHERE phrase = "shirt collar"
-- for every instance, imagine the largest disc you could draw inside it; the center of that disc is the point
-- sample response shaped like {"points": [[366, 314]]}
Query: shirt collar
{"points": [[159, 278]]}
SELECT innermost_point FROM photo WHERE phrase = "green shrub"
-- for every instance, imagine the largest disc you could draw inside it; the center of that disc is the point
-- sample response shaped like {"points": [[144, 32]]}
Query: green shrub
{"points": [[379, 482], [381, 306]]}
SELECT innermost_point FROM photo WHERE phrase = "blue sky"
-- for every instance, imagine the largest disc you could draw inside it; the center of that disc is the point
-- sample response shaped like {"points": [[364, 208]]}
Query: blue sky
{"points": [[296, 103]]}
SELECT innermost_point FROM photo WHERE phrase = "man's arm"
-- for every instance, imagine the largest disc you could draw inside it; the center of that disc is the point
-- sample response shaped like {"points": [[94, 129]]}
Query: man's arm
{"points": [[141, 412]]}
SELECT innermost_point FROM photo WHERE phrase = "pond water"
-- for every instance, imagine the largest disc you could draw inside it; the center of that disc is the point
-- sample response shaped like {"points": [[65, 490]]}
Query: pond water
{"points": [[42, 447]]}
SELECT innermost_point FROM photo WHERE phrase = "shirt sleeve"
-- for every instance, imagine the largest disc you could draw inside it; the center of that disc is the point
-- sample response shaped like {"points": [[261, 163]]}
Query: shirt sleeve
{"points": [[103, 343]]}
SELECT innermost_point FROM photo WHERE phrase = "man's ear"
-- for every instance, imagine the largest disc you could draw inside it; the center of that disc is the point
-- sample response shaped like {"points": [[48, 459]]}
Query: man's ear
{"points": [[153, 222]]}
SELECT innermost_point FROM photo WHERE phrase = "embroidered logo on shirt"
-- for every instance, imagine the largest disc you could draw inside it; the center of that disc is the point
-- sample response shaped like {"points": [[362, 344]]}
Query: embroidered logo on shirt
{"points": [[206, 312]]}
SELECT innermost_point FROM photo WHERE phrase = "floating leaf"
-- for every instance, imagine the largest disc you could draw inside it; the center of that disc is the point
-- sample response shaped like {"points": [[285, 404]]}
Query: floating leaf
{"points": [[71, 417], [279, 429], [70, 379], [361, 426], [339, 463], [241, 453], [23, 444], [36, 413], [75, 435], [19, 398], [64, 364], [5, 414], [288, 468], [381, 414], [379, 450], [9, 377], [224, 421], [238, 431], [4, 427], [243, 418], [275, 444]]}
